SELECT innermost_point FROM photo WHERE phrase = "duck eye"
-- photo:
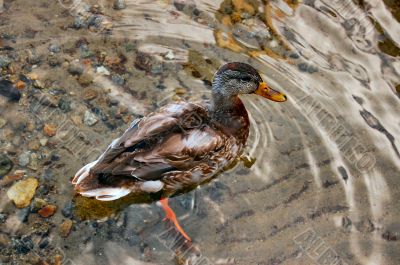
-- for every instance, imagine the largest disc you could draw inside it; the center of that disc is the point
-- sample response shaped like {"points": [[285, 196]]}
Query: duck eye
{"points": [[246, 78]]}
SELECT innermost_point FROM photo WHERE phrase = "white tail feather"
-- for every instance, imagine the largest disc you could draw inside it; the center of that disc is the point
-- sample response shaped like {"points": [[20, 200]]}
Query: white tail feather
{"points": [[106, 194], [83, 173]]}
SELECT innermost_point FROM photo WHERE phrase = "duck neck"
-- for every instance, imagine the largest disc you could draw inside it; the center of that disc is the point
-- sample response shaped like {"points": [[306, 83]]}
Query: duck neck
{"points": [[224, 98], [230, 113], [221, 102]]}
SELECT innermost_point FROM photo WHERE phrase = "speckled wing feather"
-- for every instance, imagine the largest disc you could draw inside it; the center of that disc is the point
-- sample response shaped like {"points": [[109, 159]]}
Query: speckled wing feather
{"points": [[177, 138], [151, 139]]}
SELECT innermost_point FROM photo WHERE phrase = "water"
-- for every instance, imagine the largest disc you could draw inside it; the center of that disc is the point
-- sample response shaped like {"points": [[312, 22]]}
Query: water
{"points": [[324, 187]]}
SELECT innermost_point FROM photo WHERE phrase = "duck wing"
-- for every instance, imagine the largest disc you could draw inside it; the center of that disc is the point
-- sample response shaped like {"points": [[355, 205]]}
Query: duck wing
{"points": [[175, 138]]}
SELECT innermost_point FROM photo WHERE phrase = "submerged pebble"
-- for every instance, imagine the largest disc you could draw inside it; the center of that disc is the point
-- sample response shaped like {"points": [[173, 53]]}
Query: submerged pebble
{"points": [[8, 179], [8, 90], [53, 60], [5, 165], [43, 141], [3, 218], [22, 192], [4, 62], [75, 68], [102, 70], [118, 79], [85, 79], [294, 55], [312, 69], [67, 210], [119, 4], [47, 211], [23, 214], [65, 104], [365, 226], [44, 243], [20, 85], [54, 47], [23, 245], [169, 55], [37, 204], [89, 118], [33, 57], [3, 122], [50, 129], [34, 145], [79, 22], [303, 67], [4, 240], [45, 99], [24, 159], [65, 228], [180, 91], [90, 94]]}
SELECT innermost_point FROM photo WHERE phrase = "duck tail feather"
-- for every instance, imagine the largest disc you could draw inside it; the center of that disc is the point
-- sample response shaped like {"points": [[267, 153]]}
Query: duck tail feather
{"points": [[106, 193]]}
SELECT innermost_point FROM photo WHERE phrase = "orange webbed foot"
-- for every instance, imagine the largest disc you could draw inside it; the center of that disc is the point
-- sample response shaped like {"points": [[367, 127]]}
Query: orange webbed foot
{"points": [[170, 216]]}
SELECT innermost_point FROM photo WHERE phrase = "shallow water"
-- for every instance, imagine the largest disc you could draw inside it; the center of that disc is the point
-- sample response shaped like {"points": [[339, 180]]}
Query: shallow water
{"points": [[324, 188]]}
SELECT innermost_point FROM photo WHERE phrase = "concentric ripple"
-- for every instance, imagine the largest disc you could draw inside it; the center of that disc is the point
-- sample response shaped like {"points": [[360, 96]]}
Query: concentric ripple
{"points": [[327, 160]]}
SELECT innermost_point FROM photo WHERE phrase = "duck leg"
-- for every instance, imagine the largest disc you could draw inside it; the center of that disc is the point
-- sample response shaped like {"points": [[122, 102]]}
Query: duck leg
{"points": [[170, 216], [247, 160]]}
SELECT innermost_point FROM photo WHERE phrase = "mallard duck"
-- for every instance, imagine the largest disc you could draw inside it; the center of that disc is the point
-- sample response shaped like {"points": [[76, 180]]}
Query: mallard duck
{"points": [[179, 146]]}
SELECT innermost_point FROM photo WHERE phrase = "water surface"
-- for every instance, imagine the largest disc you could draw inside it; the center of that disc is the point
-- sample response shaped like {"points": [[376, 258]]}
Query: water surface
{"points": [[324, 188]]}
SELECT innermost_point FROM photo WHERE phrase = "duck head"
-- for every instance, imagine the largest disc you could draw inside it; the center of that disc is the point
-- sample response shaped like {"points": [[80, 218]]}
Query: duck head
{"points": [[233, 79]]}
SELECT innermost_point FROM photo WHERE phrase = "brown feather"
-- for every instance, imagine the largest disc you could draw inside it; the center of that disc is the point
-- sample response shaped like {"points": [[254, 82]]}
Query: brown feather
{"points": [[181, 144]]}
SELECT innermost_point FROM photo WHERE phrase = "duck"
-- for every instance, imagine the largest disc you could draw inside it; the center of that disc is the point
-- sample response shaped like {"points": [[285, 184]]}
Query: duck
{"points": [[179, 146]]}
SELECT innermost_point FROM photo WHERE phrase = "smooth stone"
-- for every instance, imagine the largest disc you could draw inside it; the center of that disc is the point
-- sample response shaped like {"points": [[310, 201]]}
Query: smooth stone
{"points": [[23, 245], [303, 67], [68, 209], [102, 70], [53, 60], [89, 118], [54, 47], [8, 90], [4, 240], [65, 105], [47, 211], [4, 61], [85, 79], [45, 99], [119, 4], [50, 130], [33, 57], [79, 22], [22, 192], [65, 228], [90, 94], [117, 79], [44, 243], [23, 214], [3, 218], [43, 141], [294, 55], [3, 123], [37, 204], [5, 165], [169, 55], [34, 145], [75, 68], [38, 84], [24, 159]]}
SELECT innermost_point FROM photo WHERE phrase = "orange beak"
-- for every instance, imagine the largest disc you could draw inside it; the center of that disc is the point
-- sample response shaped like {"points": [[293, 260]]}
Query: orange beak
{"points": [[265, 91]]}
